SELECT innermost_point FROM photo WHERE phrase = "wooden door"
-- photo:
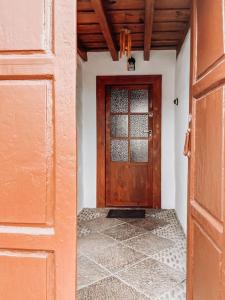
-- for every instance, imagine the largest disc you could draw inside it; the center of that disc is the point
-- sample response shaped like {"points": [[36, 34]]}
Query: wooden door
{"points": [[132, 141], [37, 149], [129, 125], [206, 234]]}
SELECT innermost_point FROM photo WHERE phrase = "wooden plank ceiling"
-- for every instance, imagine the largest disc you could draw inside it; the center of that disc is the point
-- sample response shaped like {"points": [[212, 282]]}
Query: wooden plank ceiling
{"points": [[154, 24]]}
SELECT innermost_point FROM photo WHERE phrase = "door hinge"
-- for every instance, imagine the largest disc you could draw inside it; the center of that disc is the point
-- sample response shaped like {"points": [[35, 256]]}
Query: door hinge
{"points": [[189, 118]]}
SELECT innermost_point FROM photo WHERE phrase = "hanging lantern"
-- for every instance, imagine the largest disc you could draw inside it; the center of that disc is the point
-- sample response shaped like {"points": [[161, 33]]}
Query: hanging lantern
{"points": [[131, 64], [125, 43]]}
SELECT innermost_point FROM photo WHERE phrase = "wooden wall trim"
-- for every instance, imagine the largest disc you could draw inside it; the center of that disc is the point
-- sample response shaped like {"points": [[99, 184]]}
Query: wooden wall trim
{"points": [[149, 16], [101, 142], [189, 284], [101, 83]]}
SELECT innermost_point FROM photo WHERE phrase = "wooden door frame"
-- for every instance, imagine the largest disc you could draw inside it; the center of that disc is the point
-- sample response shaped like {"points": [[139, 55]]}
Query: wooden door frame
{"points": [[190, 180], [101, 83]]}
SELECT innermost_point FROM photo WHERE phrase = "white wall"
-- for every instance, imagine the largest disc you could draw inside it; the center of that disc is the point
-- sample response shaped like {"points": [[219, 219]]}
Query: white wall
{"points": [[80, 190], [161, 62], [181, 123]]}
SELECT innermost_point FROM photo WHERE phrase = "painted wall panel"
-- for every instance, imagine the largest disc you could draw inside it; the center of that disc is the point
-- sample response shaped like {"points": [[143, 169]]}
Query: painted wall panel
{"points": [[181, 125]]}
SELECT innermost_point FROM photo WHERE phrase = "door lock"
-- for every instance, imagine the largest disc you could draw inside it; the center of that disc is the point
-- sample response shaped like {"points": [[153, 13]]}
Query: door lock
{"points": [[148, 131]]}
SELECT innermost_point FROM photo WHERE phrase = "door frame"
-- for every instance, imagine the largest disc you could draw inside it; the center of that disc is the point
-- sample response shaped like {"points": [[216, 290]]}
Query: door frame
{"points": [[101, 83]]}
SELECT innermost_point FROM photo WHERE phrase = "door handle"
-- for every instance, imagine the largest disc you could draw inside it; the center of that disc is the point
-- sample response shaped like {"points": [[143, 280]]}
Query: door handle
{"points": [[187, 151], [148, 131]]}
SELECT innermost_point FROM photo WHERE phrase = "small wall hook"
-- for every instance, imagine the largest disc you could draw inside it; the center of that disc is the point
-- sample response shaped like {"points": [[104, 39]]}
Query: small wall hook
{"points": [[175, 101]]}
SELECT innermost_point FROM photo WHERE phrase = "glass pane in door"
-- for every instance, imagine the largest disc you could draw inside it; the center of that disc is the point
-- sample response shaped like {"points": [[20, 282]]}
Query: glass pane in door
{"points": [[139, 101], [119, 126], [139, 150], [119, 150], [139, 125], [119, 100]]}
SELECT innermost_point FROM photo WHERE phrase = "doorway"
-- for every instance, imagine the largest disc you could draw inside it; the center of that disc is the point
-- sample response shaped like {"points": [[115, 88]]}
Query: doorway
{"points": [[129, 141]]}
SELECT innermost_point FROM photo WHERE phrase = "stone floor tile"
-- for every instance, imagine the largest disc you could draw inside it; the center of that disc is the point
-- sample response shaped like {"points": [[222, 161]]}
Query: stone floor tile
{"points": [[92, 213], [154, 211], [176, 293], [88, 272], [102, 223], [168, 215], [109, 289], [151, 211], [124, 231], [175, 257], [117, 257], [165, 213], [82, 230], [149, 223], [151, 277], [149, 243], [93, 243], [172, 232]]}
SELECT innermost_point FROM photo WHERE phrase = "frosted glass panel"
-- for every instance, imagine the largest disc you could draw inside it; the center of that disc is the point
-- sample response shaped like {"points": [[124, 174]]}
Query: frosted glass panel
{"points": [[139, 101], [119, 150], [119, 126], [119, 100], [139, 150], [138, 125]]}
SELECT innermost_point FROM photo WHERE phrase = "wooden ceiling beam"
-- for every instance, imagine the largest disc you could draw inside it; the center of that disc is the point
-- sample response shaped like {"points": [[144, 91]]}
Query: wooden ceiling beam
{"points": [[135, 28], [85, 5], [174, 43], [103, 22], [149, 15], [179, 46], [135, 16], [81, 51], [156, 36], [104, 49]]}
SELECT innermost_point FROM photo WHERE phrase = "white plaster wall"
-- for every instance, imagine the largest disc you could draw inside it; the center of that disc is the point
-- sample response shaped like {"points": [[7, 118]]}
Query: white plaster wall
{"points": [[181, 123], [80, 190], [161, 62]]}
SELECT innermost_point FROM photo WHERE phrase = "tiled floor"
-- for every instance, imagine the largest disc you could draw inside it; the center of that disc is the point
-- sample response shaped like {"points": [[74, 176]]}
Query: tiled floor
{"points": [[130, 259]]}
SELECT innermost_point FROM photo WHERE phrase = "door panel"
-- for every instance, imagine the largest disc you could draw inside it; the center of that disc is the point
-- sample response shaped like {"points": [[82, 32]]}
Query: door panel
{"points": [[29, 144], [37, 150], [33, 269], [210, 44], [28, 31], [209, 152], [208, 259], [129, 185], [206, 234]]}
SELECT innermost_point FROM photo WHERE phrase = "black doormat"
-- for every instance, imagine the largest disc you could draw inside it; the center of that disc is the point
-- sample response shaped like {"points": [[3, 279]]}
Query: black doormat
{"points": [[126, 213]]}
